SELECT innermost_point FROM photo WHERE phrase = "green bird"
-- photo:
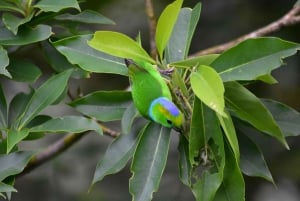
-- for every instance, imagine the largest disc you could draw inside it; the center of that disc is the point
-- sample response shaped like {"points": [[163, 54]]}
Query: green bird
{"points": [[152, 96]]}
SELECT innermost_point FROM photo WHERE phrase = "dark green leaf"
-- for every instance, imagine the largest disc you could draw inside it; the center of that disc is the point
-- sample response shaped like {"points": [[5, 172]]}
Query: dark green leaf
{"points": [[86, 16], [208, 87], [149, 162], [4, 61], [37, 120], [3, 109], [14, 137], [71, 124], [26, 35], [46, 94], [128, 117], [185, 167], [56, 5], [13, 163], [118, 153], [6, 6], [77, 51], [13, 22], [119, 45], [253, 58], [196, 61], [249, 108], [165, 25], [252, 161], [286, 117], [103, 105], [178, 45], [23, 71]]}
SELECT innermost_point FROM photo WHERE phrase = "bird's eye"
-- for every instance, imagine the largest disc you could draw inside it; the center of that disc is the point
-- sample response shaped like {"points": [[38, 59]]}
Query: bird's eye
{"points": [[169, 121]]}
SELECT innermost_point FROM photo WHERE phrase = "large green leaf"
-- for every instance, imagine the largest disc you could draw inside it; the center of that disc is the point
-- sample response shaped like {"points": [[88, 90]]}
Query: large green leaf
{"points": [[165, 25], [103, 105], [179, 43], [253, 58], [149, 162], [13, 22], [46, 94], [128, 117], [252, 159], [77, 51], [208, 87], [71, 124], [249, 108], [4, 61], [14, 163], [86, 16], [196, 61], [119, 45], [26, 35], [14, 137], [23, 71], [286, 117], [119, 152], [56, 5], [3, 109]]}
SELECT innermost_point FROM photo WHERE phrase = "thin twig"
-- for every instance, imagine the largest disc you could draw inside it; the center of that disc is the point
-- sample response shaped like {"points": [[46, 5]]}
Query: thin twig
{"points": [[152, 26], [289, 19]]}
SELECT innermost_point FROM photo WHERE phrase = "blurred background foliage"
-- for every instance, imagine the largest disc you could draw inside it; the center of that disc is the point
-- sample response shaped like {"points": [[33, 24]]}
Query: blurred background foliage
{"points": [[68, 176]]}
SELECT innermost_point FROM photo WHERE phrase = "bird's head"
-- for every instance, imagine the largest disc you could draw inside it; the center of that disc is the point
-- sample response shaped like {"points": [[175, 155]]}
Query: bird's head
{"points": [[165, 112]]}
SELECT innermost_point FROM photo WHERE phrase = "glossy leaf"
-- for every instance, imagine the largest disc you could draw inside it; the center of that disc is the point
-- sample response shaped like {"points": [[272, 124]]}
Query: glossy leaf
{"points": [[253, 58], [23, 71], [286, 117], [14, 137], [196, 61], [249, 108], [4, 61], [3, 109], [12, 22], [149, 162], [119, 45], [103, 105], [178, 45], [13, 163], [71, 124], [165, 25], [119, 152], [208, 87], [46, 94], [56, 5], [86, 16], [26, 35], [77, 51], [252, 161], [128, 117]]}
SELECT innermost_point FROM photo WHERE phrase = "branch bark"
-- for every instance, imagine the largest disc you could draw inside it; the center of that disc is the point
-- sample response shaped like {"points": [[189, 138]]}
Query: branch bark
{"points": [[152, 27], [290, 18]]}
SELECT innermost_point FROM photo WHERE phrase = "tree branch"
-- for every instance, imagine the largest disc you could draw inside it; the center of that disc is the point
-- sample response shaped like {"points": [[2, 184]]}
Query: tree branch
{"points": [[290, 18], [152, 26]]}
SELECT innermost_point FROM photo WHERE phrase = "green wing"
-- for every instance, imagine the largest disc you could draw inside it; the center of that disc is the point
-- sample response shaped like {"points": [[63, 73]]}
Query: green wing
{"points": [[146, 85]]}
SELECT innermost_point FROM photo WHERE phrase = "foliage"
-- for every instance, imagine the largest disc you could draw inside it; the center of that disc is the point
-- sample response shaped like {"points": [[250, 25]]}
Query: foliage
{"points": [[211, 90]]}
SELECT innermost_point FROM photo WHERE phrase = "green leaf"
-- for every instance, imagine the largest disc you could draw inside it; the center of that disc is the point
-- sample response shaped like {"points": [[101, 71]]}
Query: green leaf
{"points": [[252, 161], [165, 25], [77, 51], [119, 45], [233, 186], [208, 87], [13, 163], [56, 5], [253, 58], [4, 61], [286, 117], [23, 71], [46, 94], [71, 124], [179, 43], [5, 188], [149, 162], [14, 137], [13, 22], [249, 108], [103, 105], [196, 61], [26, 35], [86, 16], [6, 6], [128, 117], [184, 165], [3, 109], [37, 120], [119, 152]]}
